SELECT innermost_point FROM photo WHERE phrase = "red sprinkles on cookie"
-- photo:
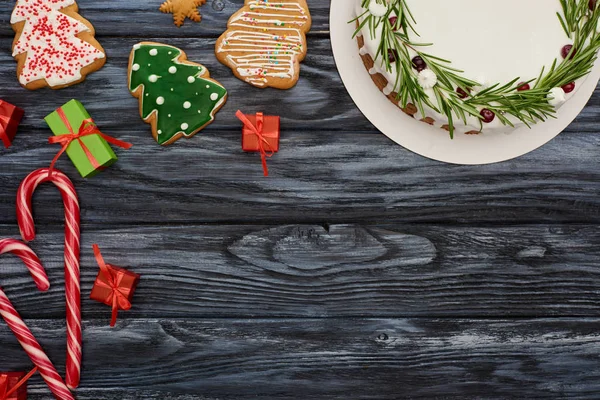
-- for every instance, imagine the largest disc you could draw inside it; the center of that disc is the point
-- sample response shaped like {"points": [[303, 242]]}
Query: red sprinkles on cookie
{"points": [[49, 39]]}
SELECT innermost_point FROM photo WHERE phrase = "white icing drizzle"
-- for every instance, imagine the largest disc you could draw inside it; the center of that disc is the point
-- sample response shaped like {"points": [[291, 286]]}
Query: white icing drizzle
{"points": [[363, 51], [265, 39], [388, 89]]}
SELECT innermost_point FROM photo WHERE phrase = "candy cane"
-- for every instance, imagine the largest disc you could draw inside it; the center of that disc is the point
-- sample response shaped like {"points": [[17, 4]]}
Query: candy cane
{"points": [[73, 291], [17, 325]]}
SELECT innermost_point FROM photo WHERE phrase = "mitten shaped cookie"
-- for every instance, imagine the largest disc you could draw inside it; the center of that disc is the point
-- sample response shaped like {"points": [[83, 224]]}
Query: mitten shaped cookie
{"points": [[265, 41]]}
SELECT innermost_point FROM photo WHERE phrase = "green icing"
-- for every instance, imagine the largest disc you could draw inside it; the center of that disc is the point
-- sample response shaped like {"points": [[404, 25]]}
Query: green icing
{"points": [[184, 101]]}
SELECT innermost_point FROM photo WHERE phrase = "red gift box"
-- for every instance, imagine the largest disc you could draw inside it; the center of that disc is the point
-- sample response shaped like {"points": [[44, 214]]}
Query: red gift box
{"points": [[9, 380], [270, 132], [10, 118], [114, 286], [260, 134]]}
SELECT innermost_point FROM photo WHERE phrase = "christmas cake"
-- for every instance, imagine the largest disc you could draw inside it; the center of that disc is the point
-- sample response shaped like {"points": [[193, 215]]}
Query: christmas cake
{"points": [[475, 66]]}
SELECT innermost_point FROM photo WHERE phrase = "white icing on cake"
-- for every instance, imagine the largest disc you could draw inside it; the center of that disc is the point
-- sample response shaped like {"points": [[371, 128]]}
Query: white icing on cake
{"points": [[492, 42]]}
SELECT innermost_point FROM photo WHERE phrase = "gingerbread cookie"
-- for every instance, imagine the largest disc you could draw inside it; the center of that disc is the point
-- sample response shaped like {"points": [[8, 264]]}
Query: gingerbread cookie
{"points": [[182, 9], [177, 97], [265, 41], [54, 46]]}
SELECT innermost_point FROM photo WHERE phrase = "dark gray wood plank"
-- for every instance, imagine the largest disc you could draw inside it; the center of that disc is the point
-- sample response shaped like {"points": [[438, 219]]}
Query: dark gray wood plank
{"points": [[317, 178], [327, 359], [142, 18], [341, 271], [322, 173]]}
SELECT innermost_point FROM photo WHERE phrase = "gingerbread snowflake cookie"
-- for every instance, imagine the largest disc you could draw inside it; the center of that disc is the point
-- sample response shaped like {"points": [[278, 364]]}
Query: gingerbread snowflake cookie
{"points": [[265, 42], [182, 9], [54, 46], [177, 97]]}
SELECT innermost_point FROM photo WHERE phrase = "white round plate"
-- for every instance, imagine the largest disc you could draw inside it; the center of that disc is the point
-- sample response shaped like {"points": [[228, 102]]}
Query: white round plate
{"points": [[433, 142]]}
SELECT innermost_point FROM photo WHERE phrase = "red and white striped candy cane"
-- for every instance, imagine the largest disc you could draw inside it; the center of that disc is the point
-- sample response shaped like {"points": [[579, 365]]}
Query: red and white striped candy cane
{"points": [[21, 331], [73, 291]]}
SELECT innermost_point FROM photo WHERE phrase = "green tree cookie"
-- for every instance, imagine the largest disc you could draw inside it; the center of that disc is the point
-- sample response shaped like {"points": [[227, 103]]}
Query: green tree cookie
{"points": [[176, 96]]}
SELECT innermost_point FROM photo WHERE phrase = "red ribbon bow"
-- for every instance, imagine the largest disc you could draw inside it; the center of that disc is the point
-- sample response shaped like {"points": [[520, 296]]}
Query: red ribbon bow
{"points": [[4, 392], [88, 127], [119, 296], [262, 141], [4, 120]]}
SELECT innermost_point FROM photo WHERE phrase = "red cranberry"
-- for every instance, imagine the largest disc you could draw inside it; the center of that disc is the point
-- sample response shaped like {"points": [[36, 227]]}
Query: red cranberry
{"points": [[488, 115], [392, 55], [393, 21], [419, 64], [462, 94], [592, 5], [569, 87], [566, 50], [523, 87]]}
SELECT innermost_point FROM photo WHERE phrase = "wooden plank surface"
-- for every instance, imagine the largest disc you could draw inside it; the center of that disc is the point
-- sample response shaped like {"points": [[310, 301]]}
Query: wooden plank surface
{"points": [[356, 270], [333, 166], [328, 358], [335, 271], [317, 178]]}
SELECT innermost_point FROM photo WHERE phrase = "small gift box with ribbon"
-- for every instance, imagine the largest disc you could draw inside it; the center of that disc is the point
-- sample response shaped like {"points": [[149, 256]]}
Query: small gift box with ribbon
{"points": [[10, 118], [260, 134], [13, 385], [86, 146], [114, 286]]}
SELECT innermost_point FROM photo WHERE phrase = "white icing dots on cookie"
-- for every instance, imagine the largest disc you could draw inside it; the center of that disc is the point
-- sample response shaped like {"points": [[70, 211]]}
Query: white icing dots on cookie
{"points": [[184, 126], [153, 52], [135, 67], [153, 78], [191, 79], [137, 46], [159, 131], [214, 96], [160, 100], [208, 86], [173, 70], [187, 105]]}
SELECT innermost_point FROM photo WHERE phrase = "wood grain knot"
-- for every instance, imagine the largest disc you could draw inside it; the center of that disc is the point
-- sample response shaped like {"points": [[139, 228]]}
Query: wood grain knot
{"points": [[311, 249]]}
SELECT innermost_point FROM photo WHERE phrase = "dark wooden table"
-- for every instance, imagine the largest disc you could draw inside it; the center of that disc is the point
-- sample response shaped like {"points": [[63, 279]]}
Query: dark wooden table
{"points": [[356, 270]]}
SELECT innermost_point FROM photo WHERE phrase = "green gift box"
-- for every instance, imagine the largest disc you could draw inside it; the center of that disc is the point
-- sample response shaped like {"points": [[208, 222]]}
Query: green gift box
{"points": [[70, 122]]}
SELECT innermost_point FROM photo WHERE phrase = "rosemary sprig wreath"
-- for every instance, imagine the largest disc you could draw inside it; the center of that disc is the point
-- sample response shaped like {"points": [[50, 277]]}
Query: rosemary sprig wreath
{"points": [[457, 96]]}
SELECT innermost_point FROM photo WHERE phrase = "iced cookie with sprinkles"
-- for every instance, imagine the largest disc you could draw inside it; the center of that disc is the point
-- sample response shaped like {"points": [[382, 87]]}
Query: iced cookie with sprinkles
{"points": [[177, 97], [54, 46], [265, 42]]}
